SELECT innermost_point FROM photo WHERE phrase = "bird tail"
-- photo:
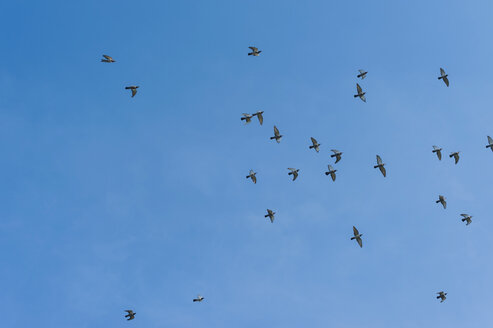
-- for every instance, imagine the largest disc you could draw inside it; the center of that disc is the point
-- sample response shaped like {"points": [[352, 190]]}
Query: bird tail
{"points": [[311, 147], [272, 138], [195, 300], [437, 201], [352, 238], [327, 173], [463, 220], [440, 78], [250, 53], [265, 216], [355, 96], [375, 166]]}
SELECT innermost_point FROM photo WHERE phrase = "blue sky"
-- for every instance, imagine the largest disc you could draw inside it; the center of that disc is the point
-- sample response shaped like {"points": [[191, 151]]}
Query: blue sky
{"points": [[111, 202]]}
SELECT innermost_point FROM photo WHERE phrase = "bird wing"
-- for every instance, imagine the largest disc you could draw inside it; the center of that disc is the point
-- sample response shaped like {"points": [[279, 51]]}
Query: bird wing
{"points": [[129, 312], [254, 179], [445, 79], [439, 154], [358, 88], [384, 172], [134, 91], [276, 131], [338, 157], [355, 231], [335, 151], [253, 49], [490, 141], [333, 176], [291, 169], [360, 242], [442, 71], [260, 118], [295, 175], [361, 71], [314, 141], [464, 215], [362, 97], [379, 160], [330, 167], [107, 57]]}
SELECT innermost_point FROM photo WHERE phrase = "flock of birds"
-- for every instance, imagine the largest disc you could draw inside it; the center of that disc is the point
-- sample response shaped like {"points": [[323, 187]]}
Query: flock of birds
{"points": [[336, 154]]}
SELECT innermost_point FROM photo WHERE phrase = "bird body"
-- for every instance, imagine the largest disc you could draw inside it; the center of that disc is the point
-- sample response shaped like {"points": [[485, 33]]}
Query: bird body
{"points": [[490, 143], [108, 59], [252, 175], [198, 299], [133, 88], [277, 136], [357, 236], [442, 200], [337, 154], [247, 118], [315, 145], [293, 172], [443, 76], [130, 315], [380, 166], [466, 218], [455, 155], [270, 215], [360, 93], [332, 172], [438, 151], [255, 52], [442, 295], [362, 74]]}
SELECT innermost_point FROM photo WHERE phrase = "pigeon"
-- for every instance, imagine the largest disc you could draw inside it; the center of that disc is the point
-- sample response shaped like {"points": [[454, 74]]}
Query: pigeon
{"points": [[270, 215], [443, 76], [247, 118], [133, 88], [107, 59], [442, 200], [332, 172], [255, 52], [252, 176], [315, 145], [467, 218], [277, 135], [360, 94], [455, 155], [380, 165], [131, 315], [438, 151], [259, 116], [442, 295], [490, 143], [362, 74], [293, 172], [198, 299], [357, 236], [337, 154]]}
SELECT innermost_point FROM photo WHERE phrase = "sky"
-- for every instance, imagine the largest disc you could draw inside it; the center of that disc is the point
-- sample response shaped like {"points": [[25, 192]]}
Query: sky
{"points": [[112, 203]]}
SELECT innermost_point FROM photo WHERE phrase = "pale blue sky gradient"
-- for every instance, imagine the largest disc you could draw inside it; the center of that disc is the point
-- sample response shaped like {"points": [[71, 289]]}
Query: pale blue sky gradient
{"points": [[111, 202]]}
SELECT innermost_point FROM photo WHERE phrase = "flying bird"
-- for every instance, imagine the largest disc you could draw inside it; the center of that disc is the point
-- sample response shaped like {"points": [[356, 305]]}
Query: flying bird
{"points": [[380, 166], [198, 299], [293, 172], [133, 88], [247, 118], [490, 143], [270, 215], [466, 218], [442, 200], [277, 135], [130, 315], [443, 76], [252, 175], [255, 52], [455, 155], [107, 59], [360, 93], [362, 74], [259, 116], [442, 295], [337, 154], [438, 151], [332, 172], [315, 145], [357, 236]]}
